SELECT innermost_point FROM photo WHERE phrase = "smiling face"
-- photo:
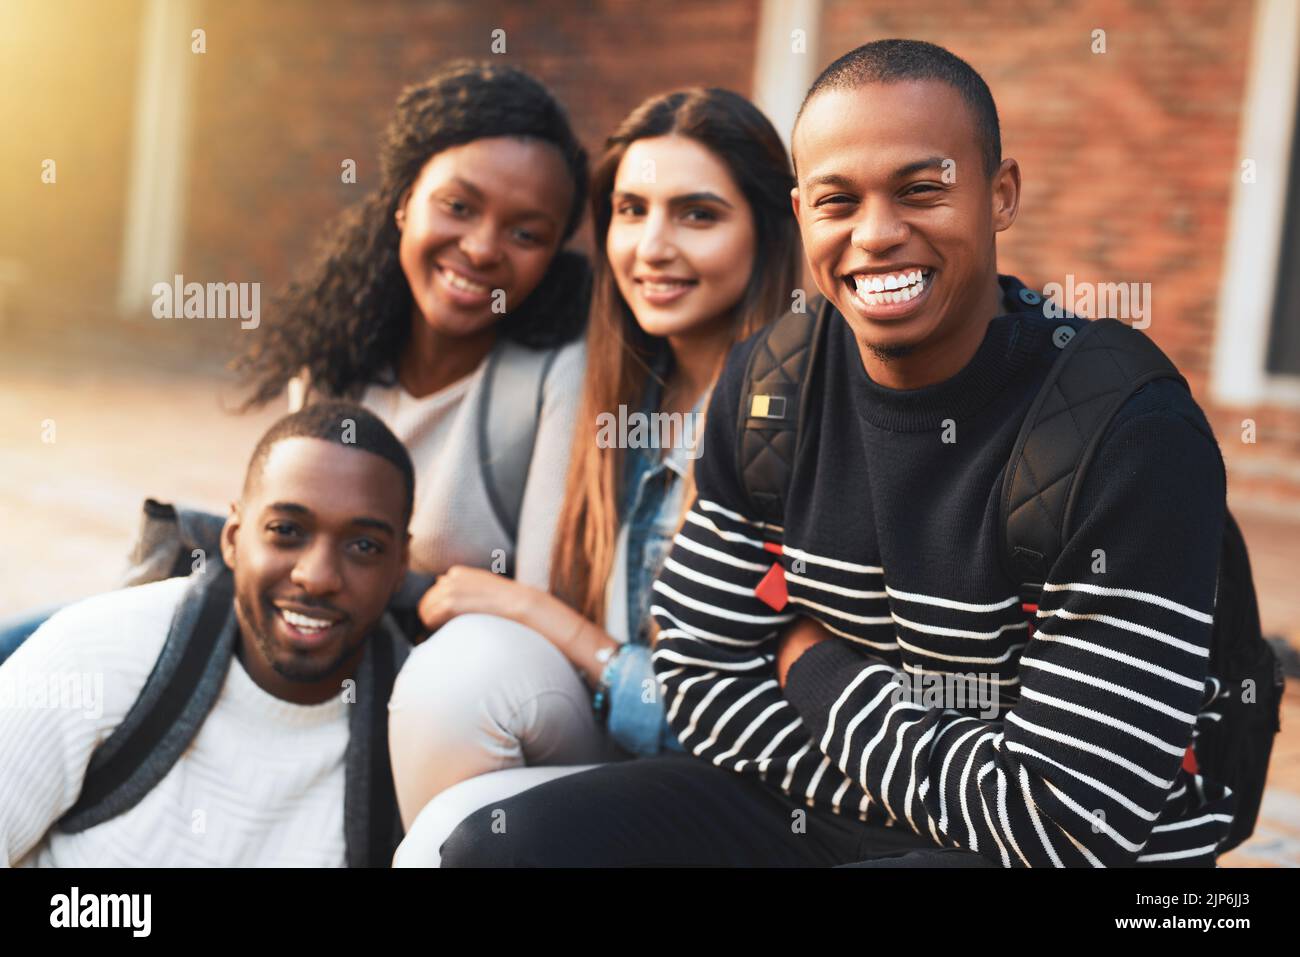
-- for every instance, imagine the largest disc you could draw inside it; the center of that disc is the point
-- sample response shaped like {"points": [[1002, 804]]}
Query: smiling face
{"points": [[318, 545], [681, 238], [487, 215], [898, 217]]}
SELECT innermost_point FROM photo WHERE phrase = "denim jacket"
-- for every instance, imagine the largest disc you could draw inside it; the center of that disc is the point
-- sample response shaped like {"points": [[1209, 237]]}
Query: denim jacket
{"points": [[651, 509]]}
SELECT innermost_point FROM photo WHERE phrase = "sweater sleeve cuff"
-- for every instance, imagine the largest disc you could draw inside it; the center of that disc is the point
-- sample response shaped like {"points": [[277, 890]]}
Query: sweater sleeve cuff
{"points": [[819, 675]]}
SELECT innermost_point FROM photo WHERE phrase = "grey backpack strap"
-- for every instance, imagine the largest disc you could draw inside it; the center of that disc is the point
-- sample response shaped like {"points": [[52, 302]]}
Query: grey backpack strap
{"points": [[1099, 368], [181, 691], [372, 826], [177, 696], [773, 405], [511, 405]]}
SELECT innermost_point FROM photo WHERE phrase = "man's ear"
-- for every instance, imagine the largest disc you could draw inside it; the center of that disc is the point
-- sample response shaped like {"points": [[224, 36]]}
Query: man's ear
{"points": [[794, 202], [1006, 195], [228, 535]]}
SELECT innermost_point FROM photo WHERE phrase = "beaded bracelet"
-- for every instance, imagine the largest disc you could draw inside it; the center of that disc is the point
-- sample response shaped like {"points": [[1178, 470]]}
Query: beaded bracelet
{"points": [[600, 701]]}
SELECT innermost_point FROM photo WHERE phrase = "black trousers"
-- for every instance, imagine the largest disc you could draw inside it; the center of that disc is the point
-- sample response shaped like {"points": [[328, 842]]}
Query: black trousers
{"points": [[678, 811]]}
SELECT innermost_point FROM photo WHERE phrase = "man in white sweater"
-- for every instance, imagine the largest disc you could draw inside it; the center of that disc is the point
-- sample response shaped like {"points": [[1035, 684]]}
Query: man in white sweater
{"points": [[318, 545]]}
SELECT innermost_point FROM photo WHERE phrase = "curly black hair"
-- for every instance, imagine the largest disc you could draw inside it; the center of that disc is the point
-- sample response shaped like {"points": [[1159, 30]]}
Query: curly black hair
{"points": [[348, 321]]}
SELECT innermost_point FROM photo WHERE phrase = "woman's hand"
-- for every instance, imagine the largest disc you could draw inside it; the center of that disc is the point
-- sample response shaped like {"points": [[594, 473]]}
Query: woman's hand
{"points": [[802, 634], [462, 590]]}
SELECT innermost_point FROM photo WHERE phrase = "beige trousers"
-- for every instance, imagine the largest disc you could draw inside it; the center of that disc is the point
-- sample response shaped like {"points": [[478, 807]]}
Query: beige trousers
{"points": [[482, 710]]}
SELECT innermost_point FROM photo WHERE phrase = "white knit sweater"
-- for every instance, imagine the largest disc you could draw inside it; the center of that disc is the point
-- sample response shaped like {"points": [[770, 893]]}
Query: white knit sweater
{"points": [[261, 784]]}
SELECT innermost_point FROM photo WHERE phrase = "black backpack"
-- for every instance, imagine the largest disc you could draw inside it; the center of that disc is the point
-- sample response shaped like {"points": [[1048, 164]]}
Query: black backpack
{"points": [[1100, 366]]}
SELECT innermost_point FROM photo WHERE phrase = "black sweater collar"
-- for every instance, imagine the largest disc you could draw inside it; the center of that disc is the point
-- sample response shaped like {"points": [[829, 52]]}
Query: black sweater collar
{"points": [[1009, 343]]}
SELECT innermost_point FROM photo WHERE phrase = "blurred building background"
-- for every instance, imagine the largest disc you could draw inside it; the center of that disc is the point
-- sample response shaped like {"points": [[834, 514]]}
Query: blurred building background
{"points": [[1161, 150], [225, 165]]}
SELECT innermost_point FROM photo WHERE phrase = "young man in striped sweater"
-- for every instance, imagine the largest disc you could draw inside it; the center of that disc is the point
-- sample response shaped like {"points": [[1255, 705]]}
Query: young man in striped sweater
{"points": [[816, 739]]}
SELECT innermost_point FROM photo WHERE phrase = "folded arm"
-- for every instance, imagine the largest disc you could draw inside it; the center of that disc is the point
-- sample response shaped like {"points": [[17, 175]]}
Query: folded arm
{"points": [[1079, 771]]}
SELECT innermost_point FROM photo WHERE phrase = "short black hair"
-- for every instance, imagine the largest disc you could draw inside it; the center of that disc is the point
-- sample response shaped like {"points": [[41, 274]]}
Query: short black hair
{"points": [[893, 61], [343, 423]]}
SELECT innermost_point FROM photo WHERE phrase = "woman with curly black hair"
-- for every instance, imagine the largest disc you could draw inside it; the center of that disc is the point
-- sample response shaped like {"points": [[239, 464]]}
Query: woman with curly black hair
{"points": [[445, 304]]}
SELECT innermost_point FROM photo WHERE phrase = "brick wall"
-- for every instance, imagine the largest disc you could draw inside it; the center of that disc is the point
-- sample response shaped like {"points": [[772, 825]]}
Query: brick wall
{"points": [[287, 91]]}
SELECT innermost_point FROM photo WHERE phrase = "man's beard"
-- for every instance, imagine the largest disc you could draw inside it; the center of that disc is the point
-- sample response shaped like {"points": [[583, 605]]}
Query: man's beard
{"points": [[303, 671], [888, 354]]}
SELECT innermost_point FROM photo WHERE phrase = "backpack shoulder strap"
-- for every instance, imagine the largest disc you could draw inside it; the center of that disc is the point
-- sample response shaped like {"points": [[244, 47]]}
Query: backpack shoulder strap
{"points": [[513, 382], [773, 406], [371, 823], [177, 696], [1099, 368]]}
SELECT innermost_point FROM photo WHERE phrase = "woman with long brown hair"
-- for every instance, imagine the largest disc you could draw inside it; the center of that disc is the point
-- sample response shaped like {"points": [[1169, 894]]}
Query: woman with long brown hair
{"points": [[691, 208]]}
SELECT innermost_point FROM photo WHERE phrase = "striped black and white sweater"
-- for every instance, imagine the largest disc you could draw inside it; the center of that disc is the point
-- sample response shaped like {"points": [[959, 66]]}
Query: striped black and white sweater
{"points": [[890, 539]]}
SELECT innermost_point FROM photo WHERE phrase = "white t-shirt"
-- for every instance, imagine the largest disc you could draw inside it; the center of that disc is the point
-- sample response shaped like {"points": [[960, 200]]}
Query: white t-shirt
{"points": [[261, 784]]}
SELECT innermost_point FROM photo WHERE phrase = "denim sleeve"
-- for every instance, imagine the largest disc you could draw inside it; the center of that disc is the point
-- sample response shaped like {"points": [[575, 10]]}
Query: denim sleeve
{"points": [[636, 710]]}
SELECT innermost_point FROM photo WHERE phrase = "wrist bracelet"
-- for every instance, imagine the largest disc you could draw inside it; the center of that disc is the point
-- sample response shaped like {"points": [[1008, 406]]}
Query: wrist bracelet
{"points": [[606, 656]]}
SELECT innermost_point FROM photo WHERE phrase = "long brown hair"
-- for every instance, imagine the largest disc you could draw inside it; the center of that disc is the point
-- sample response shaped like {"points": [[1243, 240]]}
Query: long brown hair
{"points": [[621, 356]]}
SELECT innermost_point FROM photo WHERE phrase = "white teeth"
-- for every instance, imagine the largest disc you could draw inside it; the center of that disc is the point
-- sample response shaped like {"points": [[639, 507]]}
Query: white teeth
{"points": [[888, 283], [896, 288], [303, 622], [662, 287], [457, 281]]}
